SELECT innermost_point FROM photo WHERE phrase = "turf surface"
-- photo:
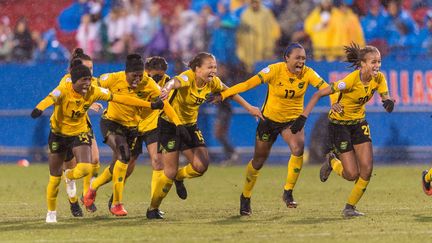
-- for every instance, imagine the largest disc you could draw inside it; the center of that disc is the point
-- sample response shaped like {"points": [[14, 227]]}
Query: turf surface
{"points": [[396, 209]]}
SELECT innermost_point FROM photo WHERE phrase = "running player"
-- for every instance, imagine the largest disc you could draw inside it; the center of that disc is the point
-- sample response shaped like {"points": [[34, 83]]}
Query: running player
{"points": [[70, 162], [287, 82], [191, 89], [349, 132], [119, 125], [69, 127]]}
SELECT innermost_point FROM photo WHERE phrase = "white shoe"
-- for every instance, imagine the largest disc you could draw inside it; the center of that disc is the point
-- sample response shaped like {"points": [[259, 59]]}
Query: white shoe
{"points": [[51, 217], [70, 186]]}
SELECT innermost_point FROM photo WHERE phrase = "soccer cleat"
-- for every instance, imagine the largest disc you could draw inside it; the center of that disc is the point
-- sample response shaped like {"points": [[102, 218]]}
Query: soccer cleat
{"points": [[154, 214], [245, 208], [426, 185], [351, 211], [110, 201], [118, 210], [91, 209], [51, 217], [326, 168], [180, 189], [70, 186], [288, 198], [89, 197], [76, 209]]}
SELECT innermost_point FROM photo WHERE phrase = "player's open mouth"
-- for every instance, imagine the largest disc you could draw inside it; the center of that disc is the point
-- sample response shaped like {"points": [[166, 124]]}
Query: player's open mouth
{"points": [[298, 68]]}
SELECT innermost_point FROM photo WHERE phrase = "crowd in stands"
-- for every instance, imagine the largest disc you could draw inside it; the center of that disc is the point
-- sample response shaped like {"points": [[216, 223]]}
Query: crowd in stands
{"points": [[235, 31]]}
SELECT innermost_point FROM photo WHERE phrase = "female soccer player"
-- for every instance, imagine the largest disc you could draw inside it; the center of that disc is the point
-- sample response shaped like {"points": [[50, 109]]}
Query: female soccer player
{"points": [[119, 126], [350, 135], [69, 127], [191, 89], [70, 162], [287, 82]]}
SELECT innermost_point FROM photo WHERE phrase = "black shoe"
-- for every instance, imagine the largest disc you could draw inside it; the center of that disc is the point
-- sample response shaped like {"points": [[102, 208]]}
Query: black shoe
{"points": [[245, 208], [180, 189], [76, 209], [154, 214], [288, 198], [91, 209], [326, 168], [110, 202]]}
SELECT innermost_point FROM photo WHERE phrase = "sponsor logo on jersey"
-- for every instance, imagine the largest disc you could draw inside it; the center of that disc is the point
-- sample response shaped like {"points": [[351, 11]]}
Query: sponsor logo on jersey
{"points": [[341, 85], [104, 77], [266, 70], [184, 77]]}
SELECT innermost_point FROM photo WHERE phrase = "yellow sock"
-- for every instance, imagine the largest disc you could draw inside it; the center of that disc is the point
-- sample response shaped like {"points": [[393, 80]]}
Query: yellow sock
{"points": [[102, 179], [336, 165], [52, 191], [155, 177], [81, 169], [118, 177], [428, 176], [161, 189], [251, 177], [357, 191], [294, 167], [187, 172], [87, 178]]}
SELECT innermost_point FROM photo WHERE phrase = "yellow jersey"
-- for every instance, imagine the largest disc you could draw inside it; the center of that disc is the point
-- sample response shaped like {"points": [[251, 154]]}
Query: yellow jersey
{"points": [[148, 117], [187, 99], [353, 95], [286, 91], [127, 115], [70, 108]]}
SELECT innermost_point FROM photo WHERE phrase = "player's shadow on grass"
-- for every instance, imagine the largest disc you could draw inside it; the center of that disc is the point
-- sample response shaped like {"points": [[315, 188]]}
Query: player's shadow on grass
{"points": [[422, 218], [310, 220], [237, 219]]}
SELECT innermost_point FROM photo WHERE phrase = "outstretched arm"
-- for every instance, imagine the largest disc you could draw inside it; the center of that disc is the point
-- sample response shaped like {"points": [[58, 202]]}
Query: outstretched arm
{"points": [[253, 110], [169, 111], [170, 85], [43, 105], [241, 87], [128, 100]]}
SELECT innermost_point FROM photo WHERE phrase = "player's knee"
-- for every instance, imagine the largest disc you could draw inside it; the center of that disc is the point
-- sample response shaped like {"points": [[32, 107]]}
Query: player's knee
{"points": [[157, 164], [201, 168], [124, 154], [297, 150], [95, 160], [351, 175], [171, 173]]}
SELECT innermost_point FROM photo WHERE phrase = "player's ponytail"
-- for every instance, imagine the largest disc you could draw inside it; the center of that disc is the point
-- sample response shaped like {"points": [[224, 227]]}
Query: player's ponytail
{"points": [[78, 53], [355, 55]]}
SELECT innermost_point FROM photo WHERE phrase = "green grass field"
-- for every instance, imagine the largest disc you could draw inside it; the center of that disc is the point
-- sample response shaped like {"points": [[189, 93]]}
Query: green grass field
{"points": [[396, 209]]}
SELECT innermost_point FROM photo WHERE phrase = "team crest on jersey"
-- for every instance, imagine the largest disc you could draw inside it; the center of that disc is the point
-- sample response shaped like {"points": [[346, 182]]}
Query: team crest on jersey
{"points": [[301, 85], [78, 102], [266, 70], [104, 77], [341, 85], [343, 145], [171, 144], [86, 107]]}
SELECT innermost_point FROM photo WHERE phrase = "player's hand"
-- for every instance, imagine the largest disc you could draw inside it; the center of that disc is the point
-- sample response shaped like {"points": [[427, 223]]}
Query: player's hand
{"points": [[214, 98], [36, 113], [157, 105], [96, 107], [164, 94], [336, 107], [256, 112], [298, 124], [183, 133], [388, 105]]}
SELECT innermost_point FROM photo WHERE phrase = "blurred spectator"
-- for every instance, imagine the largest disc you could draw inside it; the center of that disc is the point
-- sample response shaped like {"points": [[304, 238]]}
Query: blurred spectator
{"points": [[118, 32], [22, 42], [159, 44], [87, 35], [373, 23], [425, 36], [344, 29], [317, 24], [48, 48], [257, 35], [400, 30], [6, 39], [291, 20], [198, 5], [186, 38], [207, 22]]}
